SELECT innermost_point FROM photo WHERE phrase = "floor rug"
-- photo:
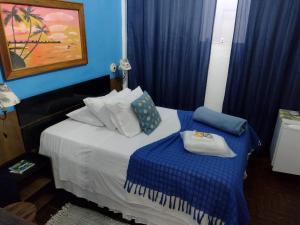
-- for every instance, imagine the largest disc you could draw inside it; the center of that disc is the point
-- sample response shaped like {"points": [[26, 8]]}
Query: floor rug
{"points": [[74, 215]]}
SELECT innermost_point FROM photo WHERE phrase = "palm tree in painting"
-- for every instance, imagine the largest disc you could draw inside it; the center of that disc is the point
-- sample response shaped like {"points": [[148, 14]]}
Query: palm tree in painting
{"points": [[13, 17], [29, 16], [39, 30]]}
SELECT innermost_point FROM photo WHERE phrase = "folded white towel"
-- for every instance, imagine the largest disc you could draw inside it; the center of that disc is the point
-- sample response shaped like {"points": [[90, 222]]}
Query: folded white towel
{"points": [[206, 144]]}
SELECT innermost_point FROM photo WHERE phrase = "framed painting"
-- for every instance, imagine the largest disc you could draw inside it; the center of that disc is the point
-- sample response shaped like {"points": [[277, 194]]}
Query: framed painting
{"points": [[40, 36]]}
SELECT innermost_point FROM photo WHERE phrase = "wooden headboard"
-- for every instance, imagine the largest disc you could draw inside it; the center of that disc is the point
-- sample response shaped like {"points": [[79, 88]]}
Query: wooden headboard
{"points": [[41, 111]]}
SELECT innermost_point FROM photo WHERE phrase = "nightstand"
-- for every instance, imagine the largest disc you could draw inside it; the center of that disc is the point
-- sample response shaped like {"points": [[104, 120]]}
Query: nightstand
{"points": [[25, 210], [34, 185], [11, 141], [116, 83]]}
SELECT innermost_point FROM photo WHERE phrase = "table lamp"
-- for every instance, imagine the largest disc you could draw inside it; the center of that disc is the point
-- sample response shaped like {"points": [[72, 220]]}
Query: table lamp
{"points": [[7, 99], [124, 67]]}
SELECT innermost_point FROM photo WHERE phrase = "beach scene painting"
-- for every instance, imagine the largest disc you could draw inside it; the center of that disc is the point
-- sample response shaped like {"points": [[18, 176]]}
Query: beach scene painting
{"points": [[38, 36]]}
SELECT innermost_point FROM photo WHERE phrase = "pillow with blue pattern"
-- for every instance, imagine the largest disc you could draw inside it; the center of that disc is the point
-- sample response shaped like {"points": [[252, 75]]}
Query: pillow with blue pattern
{"points": [[146, 112]]}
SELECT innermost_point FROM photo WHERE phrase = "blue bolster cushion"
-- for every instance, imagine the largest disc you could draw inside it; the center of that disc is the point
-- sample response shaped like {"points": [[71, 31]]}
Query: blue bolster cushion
{"points": [[224, 122]]}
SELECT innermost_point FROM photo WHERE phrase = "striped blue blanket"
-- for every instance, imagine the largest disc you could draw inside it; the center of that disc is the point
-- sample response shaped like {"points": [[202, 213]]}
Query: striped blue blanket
{"points": [[197, 185]]}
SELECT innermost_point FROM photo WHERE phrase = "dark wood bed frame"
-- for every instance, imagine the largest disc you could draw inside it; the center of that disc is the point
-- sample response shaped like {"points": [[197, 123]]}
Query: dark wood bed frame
{"points": [[39, 112]]}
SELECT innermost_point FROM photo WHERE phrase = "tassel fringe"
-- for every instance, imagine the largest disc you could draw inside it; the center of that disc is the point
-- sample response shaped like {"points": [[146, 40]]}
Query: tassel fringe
{"points": [[172, 201]]}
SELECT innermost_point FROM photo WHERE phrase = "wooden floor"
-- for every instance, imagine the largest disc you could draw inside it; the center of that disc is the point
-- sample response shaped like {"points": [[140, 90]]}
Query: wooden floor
{"points": [[273, 198]]}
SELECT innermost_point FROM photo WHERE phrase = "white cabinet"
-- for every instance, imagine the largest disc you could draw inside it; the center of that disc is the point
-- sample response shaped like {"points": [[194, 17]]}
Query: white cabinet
{"points": [[285, 148]]}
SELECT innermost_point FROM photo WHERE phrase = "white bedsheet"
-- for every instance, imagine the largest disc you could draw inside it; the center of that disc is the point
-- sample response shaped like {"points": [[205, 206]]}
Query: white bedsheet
{"points": [[91, 162]]}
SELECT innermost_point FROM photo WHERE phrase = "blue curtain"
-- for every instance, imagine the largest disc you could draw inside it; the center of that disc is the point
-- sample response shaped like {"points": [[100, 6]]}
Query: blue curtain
{"points": [[264, 71], [169, 48]]}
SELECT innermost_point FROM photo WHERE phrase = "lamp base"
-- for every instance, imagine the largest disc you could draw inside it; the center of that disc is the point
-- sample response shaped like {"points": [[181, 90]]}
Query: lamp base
{"points": [[125, 79]]}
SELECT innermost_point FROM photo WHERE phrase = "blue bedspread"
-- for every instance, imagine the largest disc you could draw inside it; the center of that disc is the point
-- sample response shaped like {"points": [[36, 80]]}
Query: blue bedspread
{"points": [[198, 183]]}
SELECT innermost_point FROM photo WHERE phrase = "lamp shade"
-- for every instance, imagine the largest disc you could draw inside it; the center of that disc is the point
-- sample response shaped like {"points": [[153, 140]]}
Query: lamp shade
{"points": [[124, 65], [7, 97]]}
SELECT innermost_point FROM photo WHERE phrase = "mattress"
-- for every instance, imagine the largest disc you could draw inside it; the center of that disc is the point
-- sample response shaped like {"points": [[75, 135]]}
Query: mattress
{"points": [[91, 162]]}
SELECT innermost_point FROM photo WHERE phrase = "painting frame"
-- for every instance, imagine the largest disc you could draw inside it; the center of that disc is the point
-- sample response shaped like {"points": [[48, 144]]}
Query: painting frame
{"points": [[11, 73]]}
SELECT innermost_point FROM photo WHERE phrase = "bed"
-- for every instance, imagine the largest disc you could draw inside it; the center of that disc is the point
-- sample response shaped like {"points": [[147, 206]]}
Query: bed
{"points": [[94, 166], [92, 162]]}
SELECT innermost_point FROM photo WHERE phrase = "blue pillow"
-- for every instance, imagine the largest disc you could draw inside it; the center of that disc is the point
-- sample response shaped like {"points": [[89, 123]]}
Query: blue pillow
{"points": [[146, 112]]}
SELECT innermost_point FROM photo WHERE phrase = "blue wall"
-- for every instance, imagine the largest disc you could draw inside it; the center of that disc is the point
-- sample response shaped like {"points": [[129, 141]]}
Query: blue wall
{"points": [[104, 39]]}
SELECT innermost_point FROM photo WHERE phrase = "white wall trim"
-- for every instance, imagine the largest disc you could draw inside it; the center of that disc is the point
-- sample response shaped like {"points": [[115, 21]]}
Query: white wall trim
{"points": [[124, 28], [220, 54], [124, 40]]}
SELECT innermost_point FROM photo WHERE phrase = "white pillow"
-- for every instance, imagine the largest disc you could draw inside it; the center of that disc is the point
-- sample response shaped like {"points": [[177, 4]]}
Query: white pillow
{"points": [[206, 144], [97, 107], [136, 93], [123, 115], [85, 116], [124, 92]]}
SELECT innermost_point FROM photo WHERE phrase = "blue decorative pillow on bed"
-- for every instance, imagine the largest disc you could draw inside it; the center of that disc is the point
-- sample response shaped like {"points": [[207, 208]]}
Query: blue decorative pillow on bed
{"points": [[146, 112]]}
